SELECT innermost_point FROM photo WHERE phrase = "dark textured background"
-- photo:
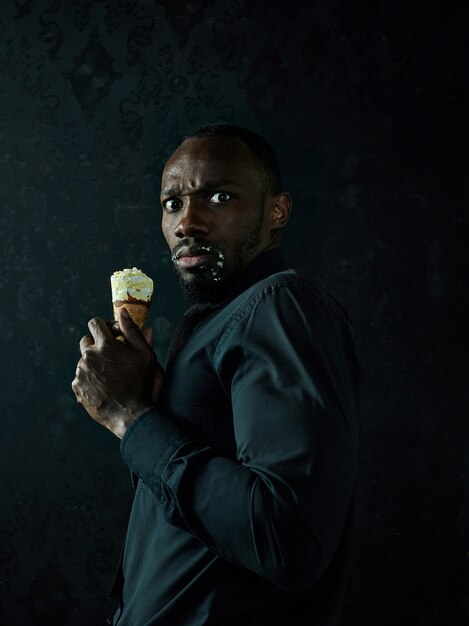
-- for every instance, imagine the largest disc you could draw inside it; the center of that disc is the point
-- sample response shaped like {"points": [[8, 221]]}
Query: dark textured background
{"points": [[366, 104]]}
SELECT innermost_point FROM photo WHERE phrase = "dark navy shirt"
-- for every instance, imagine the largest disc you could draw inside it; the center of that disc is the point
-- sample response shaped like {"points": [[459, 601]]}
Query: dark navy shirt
{"points": [[246, 465]]}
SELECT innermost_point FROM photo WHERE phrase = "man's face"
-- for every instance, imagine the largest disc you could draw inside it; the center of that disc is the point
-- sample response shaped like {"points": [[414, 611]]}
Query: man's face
{"points": [[214, 218]]}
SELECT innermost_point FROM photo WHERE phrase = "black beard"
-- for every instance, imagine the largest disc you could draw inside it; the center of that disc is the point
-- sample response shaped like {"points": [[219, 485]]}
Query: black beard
{"points": [[212, 290], [202, 291]]}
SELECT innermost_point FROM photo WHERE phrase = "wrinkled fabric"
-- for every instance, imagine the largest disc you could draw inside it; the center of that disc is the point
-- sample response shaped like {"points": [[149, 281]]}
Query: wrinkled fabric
{"points": [[246, 465]]}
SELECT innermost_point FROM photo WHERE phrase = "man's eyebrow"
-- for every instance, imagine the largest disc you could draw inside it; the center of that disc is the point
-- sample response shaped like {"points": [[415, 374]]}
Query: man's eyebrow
{"points": [[206, 185], [169, 192]]}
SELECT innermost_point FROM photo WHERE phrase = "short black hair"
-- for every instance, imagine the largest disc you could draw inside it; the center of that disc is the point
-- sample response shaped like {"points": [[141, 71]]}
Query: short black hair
{"points": [[261, 150]]}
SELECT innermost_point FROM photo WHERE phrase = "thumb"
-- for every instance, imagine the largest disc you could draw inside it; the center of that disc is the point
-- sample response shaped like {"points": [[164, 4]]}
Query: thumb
{"points": [[130, 330]]}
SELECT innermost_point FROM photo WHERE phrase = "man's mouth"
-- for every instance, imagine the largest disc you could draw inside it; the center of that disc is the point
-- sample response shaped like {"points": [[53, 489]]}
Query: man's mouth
{"points": [[193, 256], [189, 261], [199, 261]]}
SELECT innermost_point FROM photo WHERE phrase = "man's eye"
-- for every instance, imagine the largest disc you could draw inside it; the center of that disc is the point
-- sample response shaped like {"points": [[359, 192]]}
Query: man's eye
{"points": [[172, 204], [219, 197]]}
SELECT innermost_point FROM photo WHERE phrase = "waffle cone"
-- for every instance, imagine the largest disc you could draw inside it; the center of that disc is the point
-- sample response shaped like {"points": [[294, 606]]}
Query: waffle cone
{"points": [[138, 312]]}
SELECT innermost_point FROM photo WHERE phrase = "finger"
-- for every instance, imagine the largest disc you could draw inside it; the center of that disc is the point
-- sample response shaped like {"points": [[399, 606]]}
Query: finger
{"points": [[148, 334], [115, 328], [76, 389], [79, 370], [85, 343], [132, 333], [99, 330]]}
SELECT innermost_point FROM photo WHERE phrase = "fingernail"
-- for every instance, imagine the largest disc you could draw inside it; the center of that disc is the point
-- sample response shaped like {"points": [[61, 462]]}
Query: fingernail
{"points": [[125, 313]]}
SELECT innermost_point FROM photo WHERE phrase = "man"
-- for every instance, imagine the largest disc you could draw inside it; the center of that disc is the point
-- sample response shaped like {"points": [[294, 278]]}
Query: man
{"points": [[244, 448]]}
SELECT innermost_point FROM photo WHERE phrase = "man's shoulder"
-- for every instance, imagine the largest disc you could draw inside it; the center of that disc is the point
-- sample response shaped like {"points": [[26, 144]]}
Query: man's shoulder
{"points": [[287, 288], [292, 281]]}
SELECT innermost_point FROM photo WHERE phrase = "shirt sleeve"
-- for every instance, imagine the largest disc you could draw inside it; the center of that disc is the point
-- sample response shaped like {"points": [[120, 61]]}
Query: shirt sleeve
{"points": [[278, 508]]}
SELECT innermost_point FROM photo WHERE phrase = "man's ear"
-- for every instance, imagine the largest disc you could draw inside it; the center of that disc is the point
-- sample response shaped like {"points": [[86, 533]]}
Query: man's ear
{"points": [[280, 209]]}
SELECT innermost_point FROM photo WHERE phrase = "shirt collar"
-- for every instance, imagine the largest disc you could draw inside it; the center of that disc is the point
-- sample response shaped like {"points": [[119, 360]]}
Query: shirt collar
{"points": [[267, 263]]}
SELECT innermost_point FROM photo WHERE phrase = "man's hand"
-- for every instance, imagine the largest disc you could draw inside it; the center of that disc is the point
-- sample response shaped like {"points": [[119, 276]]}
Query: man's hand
{"points": [[117, 380]]}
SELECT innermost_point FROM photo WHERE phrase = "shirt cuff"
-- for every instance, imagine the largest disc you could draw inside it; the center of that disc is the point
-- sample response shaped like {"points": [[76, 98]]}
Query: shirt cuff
{"points": [[149, 444]]}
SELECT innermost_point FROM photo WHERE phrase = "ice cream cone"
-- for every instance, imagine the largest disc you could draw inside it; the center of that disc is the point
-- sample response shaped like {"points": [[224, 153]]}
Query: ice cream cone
{"points": [[132, 289], [138, 312]]}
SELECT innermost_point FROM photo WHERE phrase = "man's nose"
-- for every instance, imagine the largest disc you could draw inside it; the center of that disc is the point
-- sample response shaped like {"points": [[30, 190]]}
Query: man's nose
{"points": [[192, 221]]}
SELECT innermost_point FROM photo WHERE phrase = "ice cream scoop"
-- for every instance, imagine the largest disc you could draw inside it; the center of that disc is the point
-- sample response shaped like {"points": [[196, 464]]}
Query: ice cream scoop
{"points": [[132, 289]]}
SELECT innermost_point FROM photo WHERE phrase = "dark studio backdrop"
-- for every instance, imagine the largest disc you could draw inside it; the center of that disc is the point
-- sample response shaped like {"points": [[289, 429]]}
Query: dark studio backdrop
{"points": [[365, 104]]}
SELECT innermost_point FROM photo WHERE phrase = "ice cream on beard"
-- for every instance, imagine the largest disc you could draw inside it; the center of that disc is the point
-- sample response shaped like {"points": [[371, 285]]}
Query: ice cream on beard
{"points": [[132, 289]]}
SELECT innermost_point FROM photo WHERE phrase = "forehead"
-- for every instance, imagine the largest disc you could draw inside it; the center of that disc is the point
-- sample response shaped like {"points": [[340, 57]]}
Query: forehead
{"points": [[214, 158]]}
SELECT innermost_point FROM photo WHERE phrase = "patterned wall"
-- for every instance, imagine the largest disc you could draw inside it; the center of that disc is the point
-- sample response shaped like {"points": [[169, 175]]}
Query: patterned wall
{"points": [[365, 104]]}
